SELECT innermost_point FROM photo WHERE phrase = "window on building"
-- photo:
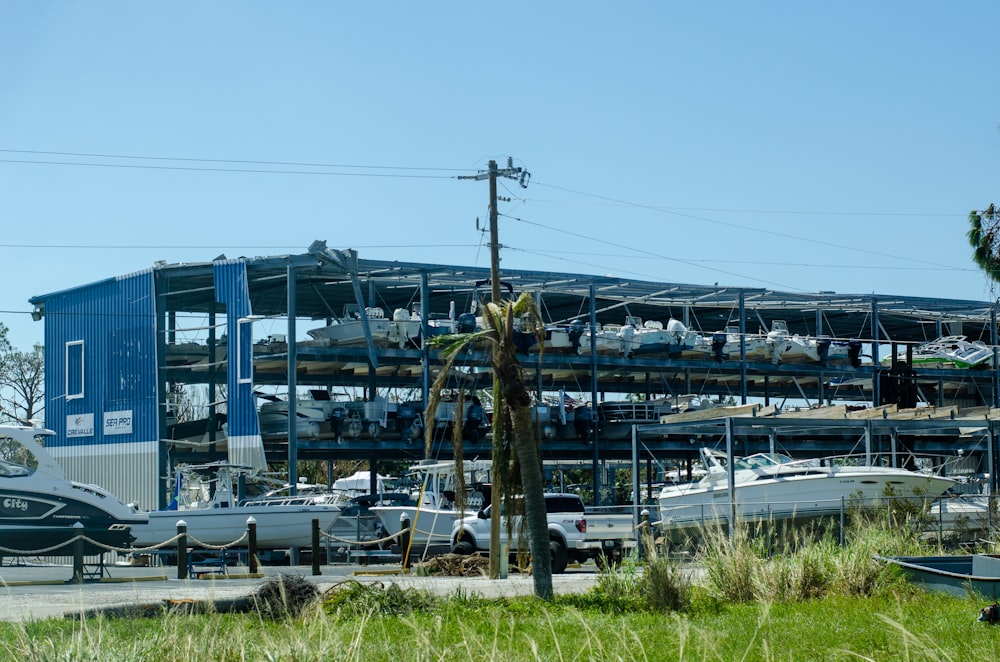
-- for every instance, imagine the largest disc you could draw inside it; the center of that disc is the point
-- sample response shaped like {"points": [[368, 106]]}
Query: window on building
{"points": [[74, 370], [244, 351]]}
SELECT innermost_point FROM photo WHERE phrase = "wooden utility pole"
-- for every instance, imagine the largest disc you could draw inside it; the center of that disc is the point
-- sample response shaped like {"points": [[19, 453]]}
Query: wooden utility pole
{"points": [[496, 498]]}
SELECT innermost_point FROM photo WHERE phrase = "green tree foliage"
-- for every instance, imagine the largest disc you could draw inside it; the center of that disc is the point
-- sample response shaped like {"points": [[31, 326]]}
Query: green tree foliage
{"points": [[22, 382], [984, 237]]}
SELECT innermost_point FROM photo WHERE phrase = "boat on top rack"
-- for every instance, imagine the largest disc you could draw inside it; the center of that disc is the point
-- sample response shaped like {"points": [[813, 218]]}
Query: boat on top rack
{"points": [[39, 506], [789, 347], [948, 352], [606, 339], [647, 337], [726, 345]]}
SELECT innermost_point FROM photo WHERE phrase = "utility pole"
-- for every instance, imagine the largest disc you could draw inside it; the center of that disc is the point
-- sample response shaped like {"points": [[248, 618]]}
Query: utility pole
{"points": [[496, 498], [510, 172]]}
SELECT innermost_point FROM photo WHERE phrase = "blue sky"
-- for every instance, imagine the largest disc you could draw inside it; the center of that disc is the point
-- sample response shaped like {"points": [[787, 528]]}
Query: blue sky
{"points": [[798, 146]]}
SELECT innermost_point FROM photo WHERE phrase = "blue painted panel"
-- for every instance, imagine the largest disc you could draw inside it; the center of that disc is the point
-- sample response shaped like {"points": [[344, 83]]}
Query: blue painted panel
{"points": [[232, 290], [100, 358]]}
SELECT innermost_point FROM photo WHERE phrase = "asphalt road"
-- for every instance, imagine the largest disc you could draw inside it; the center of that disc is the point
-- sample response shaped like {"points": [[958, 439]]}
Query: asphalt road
{"points": [[38, 592]]}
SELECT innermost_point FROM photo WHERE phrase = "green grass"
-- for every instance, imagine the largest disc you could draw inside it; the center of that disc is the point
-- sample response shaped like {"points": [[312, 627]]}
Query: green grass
{"points": [[804, 599], [897, 625]]}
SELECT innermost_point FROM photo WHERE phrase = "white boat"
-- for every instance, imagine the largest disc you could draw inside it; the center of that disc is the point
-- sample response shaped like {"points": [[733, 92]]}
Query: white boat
{"points": [[220, 520], [349, 330], [309, 416], [647, 337], [726, 345], [606, 339], [686, 343], [791, 348], [432, 488], [948, 352], [39, 506], [773, 486]]}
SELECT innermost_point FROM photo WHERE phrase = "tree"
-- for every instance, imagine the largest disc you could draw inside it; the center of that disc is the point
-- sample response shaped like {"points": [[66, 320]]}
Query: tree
{"points": [[984, 237], [512, 424], [22, 383]]}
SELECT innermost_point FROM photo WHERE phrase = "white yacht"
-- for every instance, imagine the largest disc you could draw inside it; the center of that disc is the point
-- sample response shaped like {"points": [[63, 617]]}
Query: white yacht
{"points": [[217, 519], [774, 486], [39, 506]]}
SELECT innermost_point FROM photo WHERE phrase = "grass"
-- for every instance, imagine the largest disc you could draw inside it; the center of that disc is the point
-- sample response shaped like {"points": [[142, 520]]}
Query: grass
{"points": [[907, 625], [803, 599]]}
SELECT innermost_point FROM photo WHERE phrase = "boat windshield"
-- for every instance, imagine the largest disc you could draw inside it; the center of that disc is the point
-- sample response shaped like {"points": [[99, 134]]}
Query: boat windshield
{"points": [[761, 461], [11, 470]]}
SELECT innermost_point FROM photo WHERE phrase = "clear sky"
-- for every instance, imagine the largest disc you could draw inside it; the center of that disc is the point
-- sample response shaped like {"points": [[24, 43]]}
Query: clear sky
{"points": [[800, 146]]}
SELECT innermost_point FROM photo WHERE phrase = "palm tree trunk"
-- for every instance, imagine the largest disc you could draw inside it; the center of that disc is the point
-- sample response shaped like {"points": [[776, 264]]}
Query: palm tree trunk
{"points": [[510, 376], [526, 446]]}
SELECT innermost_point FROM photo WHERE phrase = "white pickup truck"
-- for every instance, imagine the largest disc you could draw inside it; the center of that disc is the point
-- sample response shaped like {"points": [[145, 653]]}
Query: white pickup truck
{"points": [[570, 537]]}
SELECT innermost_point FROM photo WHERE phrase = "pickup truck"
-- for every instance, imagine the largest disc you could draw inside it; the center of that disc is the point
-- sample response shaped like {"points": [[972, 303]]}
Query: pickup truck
{"points": [[611, 532], [569, 536]]}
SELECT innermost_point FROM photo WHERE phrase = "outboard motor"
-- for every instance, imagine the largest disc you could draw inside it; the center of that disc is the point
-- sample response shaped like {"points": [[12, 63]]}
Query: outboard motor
{"points": [[854, 353], [823, 348], [406, 416], [466, 323], [718, 345], [474, 420], [337, 422]]}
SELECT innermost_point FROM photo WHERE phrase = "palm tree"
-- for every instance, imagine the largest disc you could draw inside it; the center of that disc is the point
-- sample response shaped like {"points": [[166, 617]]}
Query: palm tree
{"points": [[513, 428], [984, 236]]}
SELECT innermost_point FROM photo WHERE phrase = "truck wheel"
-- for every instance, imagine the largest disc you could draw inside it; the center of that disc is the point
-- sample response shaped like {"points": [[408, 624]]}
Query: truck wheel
{"points": [[463, 547], [608, 559], [560, 556]]}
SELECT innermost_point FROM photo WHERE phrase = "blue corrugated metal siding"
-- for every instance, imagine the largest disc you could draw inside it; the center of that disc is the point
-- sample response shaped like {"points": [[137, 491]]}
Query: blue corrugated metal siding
{"points": [[115, 321], [231, 289]]}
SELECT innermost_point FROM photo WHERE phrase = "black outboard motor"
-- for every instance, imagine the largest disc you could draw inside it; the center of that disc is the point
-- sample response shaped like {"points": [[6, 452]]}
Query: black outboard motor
{"points": [[718, 345], [854, 353], [466, 323], [406, 415], [337, 422], [475, 420], [583, 422], [823, 348]]}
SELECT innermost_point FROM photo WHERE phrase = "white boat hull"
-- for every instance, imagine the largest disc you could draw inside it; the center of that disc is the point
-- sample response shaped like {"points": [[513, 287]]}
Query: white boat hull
{"points": [[278, 527], [784, 497]]}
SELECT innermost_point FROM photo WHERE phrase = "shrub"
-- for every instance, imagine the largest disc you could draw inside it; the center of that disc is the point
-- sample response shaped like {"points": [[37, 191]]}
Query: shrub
{"points": [[285, 596], [352, 599]]}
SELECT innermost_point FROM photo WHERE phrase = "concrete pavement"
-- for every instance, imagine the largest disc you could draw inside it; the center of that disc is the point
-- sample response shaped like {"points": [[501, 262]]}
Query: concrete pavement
{"points": [[40, 591]]}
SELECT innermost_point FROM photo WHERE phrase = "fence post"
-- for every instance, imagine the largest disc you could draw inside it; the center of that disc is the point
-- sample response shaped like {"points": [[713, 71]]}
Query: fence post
{"points": [[841, 520], [77, 554], [182, 553], [315, 547], [645, 533], [404, 540], [252, 545]]}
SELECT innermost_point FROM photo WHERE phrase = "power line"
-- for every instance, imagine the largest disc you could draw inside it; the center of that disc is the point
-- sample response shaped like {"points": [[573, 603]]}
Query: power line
{"points": [[216, 248], [240, 161], [776, 264], [253, 171], [751, 229]]}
